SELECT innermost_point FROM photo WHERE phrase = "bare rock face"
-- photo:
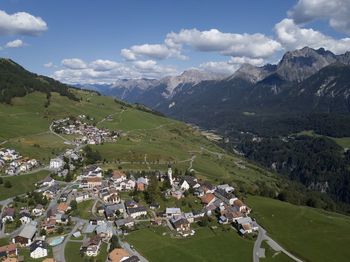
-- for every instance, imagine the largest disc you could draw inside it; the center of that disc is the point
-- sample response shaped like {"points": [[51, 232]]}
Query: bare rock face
{"points": [[298, 65]]}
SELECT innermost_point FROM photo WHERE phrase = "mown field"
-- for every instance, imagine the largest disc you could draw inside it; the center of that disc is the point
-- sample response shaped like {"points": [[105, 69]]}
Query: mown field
{"points": [[149, 142], [72, 253], [311, 234], [205, 245], [21, 184]]}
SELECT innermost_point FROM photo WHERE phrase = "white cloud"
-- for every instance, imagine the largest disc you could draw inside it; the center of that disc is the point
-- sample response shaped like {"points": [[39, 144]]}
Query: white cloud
{"points": [[247, 60], [107, 71], [154, 51], [103, 65], [21, 23], [74, 63], [222, 67], [49, 65], [337, 12], [230, 66], [228, 44], [293, 37], [14, 44]]}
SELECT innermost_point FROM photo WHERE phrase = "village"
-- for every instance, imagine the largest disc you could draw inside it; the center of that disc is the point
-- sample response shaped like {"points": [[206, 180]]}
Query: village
{"points": [[85, 133], [39, 223], [13, 163]]}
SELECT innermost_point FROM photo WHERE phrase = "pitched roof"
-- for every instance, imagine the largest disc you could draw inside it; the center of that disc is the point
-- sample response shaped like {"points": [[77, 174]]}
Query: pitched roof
{"points": [[94, 179], [117, 254], [63, 206], [36, 244], [28, 231], [8, 248], [118, 174], [207, 198]]}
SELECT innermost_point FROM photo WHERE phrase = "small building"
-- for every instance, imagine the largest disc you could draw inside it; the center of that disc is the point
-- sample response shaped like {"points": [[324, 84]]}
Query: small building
{"points": [[56, 163], [92, 246], [63, 207], [27, 234], [172, 212], [8, 215], [117, 255], [8, 251], [135, 212], [118, 176], [208, 199], [38, 210], [48, 181], [125, 222], [38, 249]]}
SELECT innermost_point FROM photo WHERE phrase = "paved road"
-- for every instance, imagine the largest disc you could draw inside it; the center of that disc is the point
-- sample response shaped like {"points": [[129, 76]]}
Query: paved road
{"points": [[273, 244], [257, 244], [132, 251], [58, 251], [53, 132]]}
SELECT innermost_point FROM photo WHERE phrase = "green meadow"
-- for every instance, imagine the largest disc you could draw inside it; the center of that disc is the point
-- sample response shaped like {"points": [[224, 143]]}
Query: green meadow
{"points": [[310, 234]]}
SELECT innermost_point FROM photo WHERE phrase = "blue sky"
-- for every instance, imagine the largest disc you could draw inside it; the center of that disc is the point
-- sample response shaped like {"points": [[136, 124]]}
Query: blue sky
{"points": [[100, 41]]}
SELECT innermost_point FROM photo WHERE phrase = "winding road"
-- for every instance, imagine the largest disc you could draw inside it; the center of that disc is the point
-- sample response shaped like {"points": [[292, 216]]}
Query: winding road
{"points": [[259, 253]]}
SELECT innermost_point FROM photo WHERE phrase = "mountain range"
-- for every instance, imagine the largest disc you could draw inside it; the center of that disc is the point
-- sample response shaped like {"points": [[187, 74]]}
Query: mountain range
{"points": [[304, 81]]}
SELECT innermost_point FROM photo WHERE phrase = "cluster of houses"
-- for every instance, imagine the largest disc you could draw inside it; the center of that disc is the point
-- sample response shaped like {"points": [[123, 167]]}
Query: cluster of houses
{"points": [[217, 201], [13, 163], [28, 238], [87, 134]]}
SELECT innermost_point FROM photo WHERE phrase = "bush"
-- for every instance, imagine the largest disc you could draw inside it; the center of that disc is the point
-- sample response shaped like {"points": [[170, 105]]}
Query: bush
{"points": [[8, 184]]}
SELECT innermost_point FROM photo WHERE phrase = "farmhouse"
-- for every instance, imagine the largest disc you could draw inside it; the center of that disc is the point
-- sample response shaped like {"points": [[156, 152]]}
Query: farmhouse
{"points": [[91, 247], [27, 234]]}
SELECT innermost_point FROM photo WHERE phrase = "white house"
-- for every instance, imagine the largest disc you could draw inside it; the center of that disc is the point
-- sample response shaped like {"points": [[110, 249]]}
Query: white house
{"points": [[184, 185], [135, 212], [38, 210], [38, 249], [172, 211], [56, 163], [48, 181], [82, 197], [25, 218]]}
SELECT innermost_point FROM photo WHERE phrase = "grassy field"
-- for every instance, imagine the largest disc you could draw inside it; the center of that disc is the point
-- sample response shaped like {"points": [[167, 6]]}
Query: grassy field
{"points": [[149, 137], [272, 256], [21, 184], [205, 245], [25, 252], [84, 209], [72, 253], [311, 234], [342, 141]]}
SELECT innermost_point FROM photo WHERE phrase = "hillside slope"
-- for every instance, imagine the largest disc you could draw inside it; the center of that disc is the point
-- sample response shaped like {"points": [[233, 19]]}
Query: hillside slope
{"points": [[15, 81], [149, 141]]}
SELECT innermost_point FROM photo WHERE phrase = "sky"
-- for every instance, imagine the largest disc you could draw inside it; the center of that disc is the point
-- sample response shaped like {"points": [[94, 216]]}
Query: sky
{"points": [[101, 41]]}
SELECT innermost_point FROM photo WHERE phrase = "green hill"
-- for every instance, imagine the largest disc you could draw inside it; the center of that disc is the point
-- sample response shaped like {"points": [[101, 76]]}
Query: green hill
{"points": [[309, 233], [147, 136], [15, 81]]}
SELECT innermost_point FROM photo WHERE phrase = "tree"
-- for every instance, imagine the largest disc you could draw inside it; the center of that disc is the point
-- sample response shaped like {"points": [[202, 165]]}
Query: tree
{"points": [[152, 193], [74, 204], [1, 181], [60, 230], [8, 184], [43, 232], [114, 243]]}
